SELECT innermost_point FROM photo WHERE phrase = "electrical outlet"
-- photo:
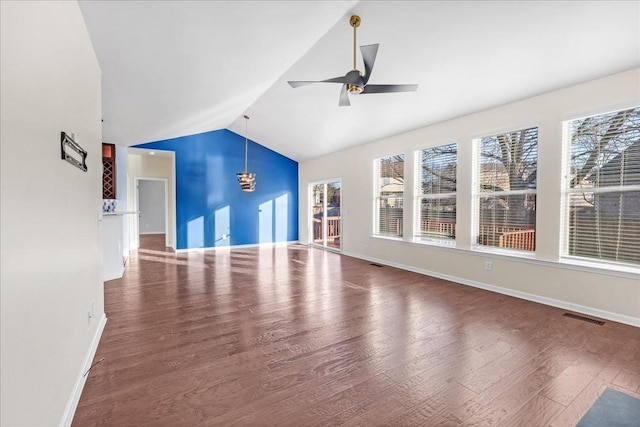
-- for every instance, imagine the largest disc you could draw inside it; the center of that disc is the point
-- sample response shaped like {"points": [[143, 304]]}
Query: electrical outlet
{"points": [[488, 265]]}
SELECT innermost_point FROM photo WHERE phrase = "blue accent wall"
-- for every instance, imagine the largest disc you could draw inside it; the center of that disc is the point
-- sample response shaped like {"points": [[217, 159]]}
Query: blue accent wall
{"points": [[212, 210]]}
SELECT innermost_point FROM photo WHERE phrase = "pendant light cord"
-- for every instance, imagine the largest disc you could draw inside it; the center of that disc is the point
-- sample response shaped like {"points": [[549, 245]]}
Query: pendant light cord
{"points": [[246, 142]]}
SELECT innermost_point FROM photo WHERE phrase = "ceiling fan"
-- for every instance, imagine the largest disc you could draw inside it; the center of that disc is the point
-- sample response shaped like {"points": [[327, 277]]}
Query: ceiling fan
{"points": [[354, 82]]}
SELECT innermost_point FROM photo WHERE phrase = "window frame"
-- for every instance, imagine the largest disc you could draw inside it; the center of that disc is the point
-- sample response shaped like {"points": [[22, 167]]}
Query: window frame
{"points": [[477, 194], [568, 191], [419, 196], [377, 198]]}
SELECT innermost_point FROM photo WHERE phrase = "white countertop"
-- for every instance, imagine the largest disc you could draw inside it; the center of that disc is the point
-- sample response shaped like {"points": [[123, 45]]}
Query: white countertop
{"points": [[119, 213]]}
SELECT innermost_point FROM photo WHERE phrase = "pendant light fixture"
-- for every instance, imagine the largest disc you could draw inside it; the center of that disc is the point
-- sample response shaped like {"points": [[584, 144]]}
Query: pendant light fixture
{"points": [[246, 179]]}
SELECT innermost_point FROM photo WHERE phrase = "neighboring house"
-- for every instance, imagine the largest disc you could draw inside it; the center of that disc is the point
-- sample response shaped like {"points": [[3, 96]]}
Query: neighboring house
{"points": [[622, 169]]}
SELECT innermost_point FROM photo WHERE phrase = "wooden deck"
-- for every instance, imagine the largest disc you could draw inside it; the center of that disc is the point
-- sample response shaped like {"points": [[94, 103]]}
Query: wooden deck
{"points": [[296, 336]]}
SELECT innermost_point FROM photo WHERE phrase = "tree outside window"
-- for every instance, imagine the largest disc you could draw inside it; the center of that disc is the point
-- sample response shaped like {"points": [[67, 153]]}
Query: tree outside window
{"points": [[603, 190]]}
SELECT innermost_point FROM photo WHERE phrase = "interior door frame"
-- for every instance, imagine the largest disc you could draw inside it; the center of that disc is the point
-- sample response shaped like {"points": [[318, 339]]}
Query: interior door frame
{"points": [[166, 206], [324, 214]]}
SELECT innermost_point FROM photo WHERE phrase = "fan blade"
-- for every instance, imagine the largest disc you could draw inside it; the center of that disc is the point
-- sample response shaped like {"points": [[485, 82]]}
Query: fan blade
{"points": [[295, 84], [341, 79], [369, 53], [344, 97], [389, 88]]}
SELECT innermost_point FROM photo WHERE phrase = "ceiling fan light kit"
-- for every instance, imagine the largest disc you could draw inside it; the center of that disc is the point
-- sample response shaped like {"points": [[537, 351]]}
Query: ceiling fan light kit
{"points": [[246, 179], [354, 82]]}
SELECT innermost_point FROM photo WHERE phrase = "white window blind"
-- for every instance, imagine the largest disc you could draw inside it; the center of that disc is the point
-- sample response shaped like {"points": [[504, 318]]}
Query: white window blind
{"points": [[389, 195], [603, 187], [436, 201], [506, 198]]}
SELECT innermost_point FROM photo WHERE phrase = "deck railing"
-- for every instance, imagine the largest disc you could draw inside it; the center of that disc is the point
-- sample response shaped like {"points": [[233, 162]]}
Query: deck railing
{"points": [[521, 239], [510, 237], [333, 228], [442, 228]]}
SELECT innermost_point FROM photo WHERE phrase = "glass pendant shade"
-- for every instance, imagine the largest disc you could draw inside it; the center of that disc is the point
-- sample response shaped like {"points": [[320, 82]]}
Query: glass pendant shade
{"points": [[246, 179]]}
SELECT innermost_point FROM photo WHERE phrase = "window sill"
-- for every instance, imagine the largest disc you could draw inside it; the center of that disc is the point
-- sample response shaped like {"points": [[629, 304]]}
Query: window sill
{"points": [[450, 244], [509, 253], [584, 264], [392, 238]]}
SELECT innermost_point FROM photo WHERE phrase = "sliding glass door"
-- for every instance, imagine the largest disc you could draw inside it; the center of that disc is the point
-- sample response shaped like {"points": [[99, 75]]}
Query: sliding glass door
{"points": [[326, 224]]}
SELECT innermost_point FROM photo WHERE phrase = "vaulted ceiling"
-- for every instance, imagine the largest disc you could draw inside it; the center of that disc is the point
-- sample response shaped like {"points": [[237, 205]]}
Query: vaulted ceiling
{"points": [[174, 68]]}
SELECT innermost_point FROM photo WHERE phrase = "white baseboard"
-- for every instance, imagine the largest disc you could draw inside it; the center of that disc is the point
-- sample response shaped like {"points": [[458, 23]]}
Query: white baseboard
{"points": [[616, 317], [253, 245], [72, 404]]}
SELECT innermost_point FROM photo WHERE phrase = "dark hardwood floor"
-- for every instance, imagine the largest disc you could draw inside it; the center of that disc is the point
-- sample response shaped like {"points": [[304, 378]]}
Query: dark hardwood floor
{"points": [[153, 241], [295, 336]]}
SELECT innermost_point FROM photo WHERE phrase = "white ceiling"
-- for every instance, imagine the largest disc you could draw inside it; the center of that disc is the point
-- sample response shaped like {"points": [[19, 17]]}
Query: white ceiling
{"points": [[174, 68]]}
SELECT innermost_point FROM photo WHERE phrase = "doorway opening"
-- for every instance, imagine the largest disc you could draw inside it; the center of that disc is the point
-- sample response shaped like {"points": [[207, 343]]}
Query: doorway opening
{"points": [[152, 206], [326, 218]]}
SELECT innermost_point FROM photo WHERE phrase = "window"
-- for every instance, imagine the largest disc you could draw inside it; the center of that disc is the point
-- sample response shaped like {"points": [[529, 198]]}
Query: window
{"points": [[603, 187], [507, 181], [436, 201], [389, 193]]}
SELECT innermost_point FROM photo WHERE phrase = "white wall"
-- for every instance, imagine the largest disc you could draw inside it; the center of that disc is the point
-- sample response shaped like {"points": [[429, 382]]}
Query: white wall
{"points": [[51, 252], [121, 194], [598, 292], [162, 165], [151, 203]]}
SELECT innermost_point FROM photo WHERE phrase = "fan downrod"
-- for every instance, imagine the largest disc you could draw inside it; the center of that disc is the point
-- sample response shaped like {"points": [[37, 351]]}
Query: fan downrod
{"points": [[354, 82], [354, 21]]}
